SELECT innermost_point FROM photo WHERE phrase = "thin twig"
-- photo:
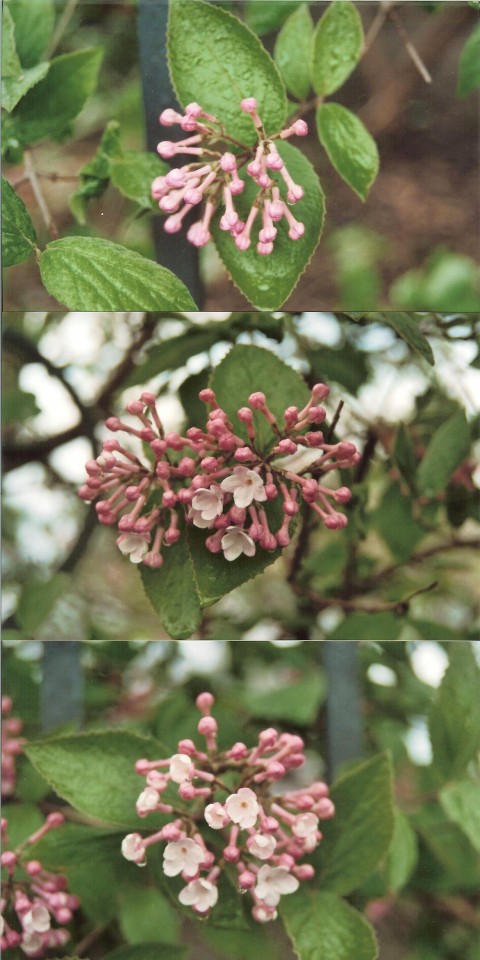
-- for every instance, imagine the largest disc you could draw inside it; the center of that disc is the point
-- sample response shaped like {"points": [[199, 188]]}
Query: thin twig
{"points": [[417, 558], [409, 47], [39, 197], [90, 938], [399, 607], [376, 25], [62, 25], [336, 418]]}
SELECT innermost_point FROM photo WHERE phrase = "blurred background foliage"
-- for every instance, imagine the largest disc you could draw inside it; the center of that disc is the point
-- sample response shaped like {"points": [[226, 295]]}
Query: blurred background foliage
{"points": [[419, 700], [405, 567], [412, 245]]}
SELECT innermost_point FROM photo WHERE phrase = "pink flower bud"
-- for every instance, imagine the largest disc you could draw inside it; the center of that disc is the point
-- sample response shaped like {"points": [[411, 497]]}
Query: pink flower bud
{"points": [[304, 871], [247, 880], [342, 495], [207, 726], [228, 162], [208, 396], [249, 105], [167, 149], [231, 854]]}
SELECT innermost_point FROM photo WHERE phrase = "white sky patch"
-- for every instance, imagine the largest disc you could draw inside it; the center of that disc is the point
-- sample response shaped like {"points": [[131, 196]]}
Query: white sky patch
{"points": [[417, 742], [429, 662], [265, 630], [70, 459], [204, 657], [322, 327], [382, 675], [57, 409]]}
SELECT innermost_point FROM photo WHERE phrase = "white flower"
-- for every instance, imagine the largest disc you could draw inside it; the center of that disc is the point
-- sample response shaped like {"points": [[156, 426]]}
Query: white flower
{"points": [[147, 800], [182, 768], [242, 807], [31, 944], [301, 461], [206, 505], [236, 541], [215, 815], [182, 856], [134, 545], [133, 848], [246, 486], [274, 882], [201, 894], [261, 845], [36, 920], [305, 826]]}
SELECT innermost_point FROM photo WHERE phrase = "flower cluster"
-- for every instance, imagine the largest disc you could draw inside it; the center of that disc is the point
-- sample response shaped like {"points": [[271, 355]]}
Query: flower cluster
{"points": [[12, 746], [32, 897], [263, 836], [214, 178], [221, 481]]}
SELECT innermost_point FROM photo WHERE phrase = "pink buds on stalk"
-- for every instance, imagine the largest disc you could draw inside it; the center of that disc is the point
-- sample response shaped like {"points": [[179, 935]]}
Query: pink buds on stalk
{"points": [[213, 176], [263, 834], [215, 479]]}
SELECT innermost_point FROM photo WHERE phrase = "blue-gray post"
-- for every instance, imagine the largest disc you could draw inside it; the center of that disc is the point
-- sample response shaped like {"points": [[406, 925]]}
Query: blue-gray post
{"points": [[62, 690], [344, 710], [172, 250]]}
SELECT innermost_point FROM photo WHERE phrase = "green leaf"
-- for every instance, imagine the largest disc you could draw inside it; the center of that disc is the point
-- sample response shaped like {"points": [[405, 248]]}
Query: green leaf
{"points": [[11, 65], [34, 23], [323, 927], [403, 456], [148, 951], [469, 65], [395, 522], [268, 281], [23, 820], [450, 282], [14, 88], [54, 102], [173, 592], [216, 60], [133, 173], [18, 233], [345, 365], [447, 449], [297, 702], [266, 15], [454, 718], [95, 175], [350, 147], [337, 46], [95, 772], [85, 273], [293, 52], [172, 354], [461, 802], [368, 626], [247, 369], [37, 600], [406, 326], [402, 854], [361, 831], [146, 914]]}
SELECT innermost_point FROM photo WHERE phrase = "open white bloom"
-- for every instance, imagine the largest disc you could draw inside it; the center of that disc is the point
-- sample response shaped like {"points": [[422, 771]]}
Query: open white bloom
{"points": [[246, 486], [264, 916], [242, 807], [147, 801], [301, 461], [261, 845], [273, 883], [134, 545], [215, 815], [133, 848], [208, 504], [36, 920], [182, 856], [200, 894], [305, 825], [31, 944], [235, 542], [182, 768]]}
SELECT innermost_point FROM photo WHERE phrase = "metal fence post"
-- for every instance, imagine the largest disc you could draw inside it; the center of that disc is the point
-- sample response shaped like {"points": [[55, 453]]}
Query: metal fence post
{"points": [[62, 689], [172, 250], [344, 715]]}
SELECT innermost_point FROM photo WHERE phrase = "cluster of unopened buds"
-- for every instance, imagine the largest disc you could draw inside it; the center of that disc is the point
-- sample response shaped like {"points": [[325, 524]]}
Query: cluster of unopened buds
{"points": [[223, 482], [214, 178], [12, 746], [263, 835], [32, 897]]}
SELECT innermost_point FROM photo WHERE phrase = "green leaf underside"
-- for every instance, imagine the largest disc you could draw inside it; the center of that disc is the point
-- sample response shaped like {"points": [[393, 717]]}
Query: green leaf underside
{"points": [[297, 702], [34, 23], [11, 65], [403, 853], [85, 273], [95, 772], [454, 717], [71, 79], [268, 281], [407, 328], [18, 233], [350, 147], [360, 833], [447, 449], [172, 590], [133, 173], [293, 52], [14, 88], [337, 47], [95, 174], [469, 65], [323, 927], [461, 802], [217, 61]]}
